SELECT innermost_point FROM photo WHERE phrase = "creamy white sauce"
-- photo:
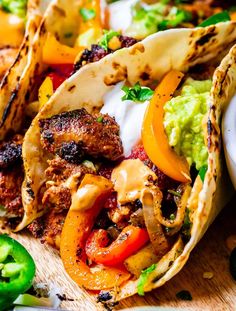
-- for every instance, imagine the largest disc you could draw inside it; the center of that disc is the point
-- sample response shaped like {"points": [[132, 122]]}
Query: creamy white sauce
{"points": [[120, 13], [128, 114]]}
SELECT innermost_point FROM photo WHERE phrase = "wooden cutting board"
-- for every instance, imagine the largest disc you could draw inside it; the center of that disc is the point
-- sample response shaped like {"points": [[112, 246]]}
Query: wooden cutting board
{"points": [[211, 255]]}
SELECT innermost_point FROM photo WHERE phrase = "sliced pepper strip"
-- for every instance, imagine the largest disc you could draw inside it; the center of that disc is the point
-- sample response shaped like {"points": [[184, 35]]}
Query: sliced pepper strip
{"points": [[129, 241], [55, 52], [154, 138], [17, 271], [76, 230]]}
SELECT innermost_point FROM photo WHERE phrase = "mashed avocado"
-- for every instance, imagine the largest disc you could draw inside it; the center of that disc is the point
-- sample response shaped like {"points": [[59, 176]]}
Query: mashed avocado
{"points": [[183, 121]]}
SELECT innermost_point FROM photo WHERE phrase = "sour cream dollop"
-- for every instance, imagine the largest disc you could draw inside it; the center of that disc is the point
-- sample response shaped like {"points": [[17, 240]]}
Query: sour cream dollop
{"points": [[128, 114], [120, 13]]}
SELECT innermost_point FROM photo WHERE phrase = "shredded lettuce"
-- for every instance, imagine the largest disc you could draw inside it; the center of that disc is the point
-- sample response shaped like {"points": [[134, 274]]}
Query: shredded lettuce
{"points": [[143, 278], [108, 35], [149, 19], [17, 7]]}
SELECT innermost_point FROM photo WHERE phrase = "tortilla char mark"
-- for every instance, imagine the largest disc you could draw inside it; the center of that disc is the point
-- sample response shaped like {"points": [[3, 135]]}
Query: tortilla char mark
{"points": [[73, 134]]}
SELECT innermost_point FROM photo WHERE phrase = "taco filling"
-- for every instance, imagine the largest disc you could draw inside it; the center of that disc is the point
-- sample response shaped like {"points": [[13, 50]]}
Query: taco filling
{"points": [[139, 19], [113, 178]]}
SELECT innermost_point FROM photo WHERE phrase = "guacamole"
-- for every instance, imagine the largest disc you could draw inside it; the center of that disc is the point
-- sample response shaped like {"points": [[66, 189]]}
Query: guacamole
{"points": [[183, 121]]}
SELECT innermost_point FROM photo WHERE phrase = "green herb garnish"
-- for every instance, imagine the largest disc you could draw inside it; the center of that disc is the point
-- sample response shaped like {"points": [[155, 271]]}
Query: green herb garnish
{"points": [[137, 93], [100, 119], [202, 172], [17, 7], [172, 216], [87, 14], [187, 224], [108, 35], [174, 193], [215, 19], [184, 295], [143, 278], [175, 18]]}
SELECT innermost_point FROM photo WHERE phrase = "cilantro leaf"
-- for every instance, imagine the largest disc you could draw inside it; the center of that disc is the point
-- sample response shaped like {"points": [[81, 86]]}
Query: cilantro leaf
{"points": [[215, 19], [137, 93], [202, 172], [108, 35], [17, 7], [87, 14], [143, 278]]}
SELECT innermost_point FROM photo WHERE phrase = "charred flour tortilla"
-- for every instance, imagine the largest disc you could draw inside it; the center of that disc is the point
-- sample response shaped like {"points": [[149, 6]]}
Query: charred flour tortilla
{"points": [[144, 62], [12, 88]]}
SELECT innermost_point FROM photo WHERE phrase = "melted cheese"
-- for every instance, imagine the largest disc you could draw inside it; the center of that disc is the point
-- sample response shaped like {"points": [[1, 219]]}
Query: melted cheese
{"points": [[90, 189], [11, 30], [128, 114], [130, 178]]}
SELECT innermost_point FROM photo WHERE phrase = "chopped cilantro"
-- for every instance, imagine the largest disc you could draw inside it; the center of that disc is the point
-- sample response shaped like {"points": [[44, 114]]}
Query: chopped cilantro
{"points": [[137, 93], [215, 19], [87, 14], [174, 193], [202, 172], [100, 119], [175, 18], [184, 295], [17, 7], [172, 216], [187, 224], [143, 278], [107, 36]]}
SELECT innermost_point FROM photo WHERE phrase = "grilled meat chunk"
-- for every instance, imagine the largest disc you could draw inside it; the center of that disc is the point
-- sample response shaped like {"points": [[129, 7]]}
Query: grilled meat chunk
{"points": [[74, 134], [97, 52], [10, 152], [48, 228], [10, 191], [58, 195]]}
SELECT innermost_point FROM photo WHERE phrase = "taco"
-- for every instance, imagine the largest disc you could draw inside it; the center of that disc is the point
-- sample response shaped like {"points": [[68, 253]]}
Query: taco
{"points": [[123, 164], [139, 19], [69, 37], [19, 22]]}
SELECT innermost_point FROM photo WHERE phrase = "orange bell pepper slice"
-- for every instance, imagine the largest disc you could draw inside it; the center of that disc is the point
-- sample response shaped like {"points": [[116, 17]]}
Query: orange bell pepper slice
{"points": [[76, 230], [55, 52], [154, 138], [95, 21], [129, 241]]}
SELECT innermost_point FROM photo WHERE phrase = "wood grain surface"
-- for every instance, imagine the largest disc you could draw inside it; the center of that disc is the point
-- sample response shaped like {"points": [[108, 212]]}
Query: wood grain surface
{"points": [[210, 255]]}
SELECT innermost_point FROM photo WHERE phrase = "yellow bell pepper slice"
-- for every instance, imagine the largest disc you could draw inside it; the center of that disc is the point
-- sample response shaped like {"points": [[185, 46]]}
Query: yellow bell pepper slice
{"points": [[91, 28], [45, 91], [11, 29], [56, 53], [154, 138]]}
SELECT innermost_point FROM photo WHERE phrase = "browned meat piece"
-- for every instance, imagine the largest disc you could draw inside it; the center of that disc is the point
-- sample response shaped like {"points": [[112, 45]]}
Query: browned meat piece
{"points": [[10, 152], [74, 134], [10, 191], [7, 58], [59, 170], [49, 227], [58, 196], [97, 52]]}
